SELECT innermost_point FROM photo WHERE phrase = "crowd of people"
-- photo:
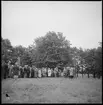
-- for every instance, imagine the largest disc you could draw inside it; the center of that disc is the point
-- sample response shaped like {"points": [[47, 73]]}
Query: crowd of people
{"points": [[32, 72]]}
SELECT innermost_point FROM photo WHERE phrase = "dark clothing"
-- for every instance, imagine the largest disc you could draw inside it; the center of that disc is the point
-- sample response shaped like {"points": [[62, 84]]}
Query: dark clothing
{"points": [[32, 73], [21, 73], [6, 71], [52, 75], [36, 73], [57, 74], [28, 72], [2, 72], [15, 70], [71, 76], [47, 73], [68, 73]]}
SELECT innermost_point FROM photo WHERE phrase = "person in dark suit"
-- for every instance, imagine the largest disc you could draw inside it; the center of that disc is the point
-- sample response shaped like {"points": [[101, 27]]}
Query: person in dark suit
{"points": [[25, 70], [28, 71], [5, 70], [32, 72], [21, 72]]}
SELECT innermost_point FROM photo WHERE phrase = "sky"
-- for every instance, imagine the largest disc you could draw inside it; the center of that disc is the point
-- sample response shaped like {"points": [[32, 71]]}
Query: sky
{"points": [[80, 22]]}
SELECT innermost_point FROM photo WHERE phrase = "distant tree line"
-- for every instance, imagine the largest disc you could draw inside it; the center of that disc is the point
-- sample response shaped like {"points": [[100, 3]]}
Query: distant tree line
{"points": [[54, 50]]}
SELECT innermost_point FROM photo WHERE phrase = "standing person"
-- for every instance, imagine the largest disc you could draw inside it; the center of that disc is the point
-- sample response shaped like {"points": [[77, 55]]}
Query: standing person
{"points": [[43, 72], [64, 72], [36, 73], [62, 69], [74, 72], [25, 71], [39, 73], [52, 73], [28, 71], [6, 71], [11, 74], [68, 71], [2, 70], [21, 72], [9, 68], [46, 71], [71, 72], [55, 72], [32, 72], [49, 72], [16, 71], [59, 72]]}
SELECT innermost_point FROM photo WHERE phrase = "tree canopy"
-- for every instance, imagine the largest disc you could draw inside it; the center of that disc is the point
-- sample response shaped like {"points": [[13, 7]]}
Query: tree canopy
{"points": [[52, 50], [53, 47]]}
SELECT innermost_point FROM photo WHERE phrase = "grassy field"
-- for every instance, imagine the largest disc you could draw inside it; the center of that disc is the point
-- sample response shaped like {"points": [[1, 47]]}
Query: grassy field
{"points": [[52, 90]]}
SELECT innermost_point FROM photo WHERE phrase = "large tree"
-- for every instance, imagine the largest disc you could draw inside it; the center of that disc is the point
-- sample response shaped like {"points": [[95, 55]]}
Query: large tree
{"points": [[52, 48], [6, 50], [93, 61]]}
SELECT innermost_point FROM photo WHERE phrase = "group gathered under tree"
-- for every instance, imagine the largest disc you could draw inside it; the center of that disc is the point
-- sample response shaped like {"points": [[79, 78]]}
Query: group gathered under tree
{"points": [[50, 55]]}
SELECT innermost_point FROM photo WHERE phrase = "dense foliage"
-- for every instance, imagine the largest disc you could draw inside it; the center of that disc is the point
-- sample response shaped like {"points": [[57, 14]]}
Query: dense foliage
{"points": [[54, 50]]}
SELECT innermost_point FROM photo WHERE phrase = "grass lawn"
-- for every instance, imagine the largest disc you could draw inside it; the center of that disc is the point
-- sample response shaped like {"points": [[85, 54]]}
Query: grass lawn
{"points": [[52, 90]]}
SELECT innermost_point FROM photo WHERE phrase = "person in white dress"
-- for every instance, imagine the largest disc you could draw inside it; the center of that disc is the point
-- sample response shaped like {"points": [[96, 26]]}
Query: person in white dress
{"points": [[39, 73], [49, 72]]}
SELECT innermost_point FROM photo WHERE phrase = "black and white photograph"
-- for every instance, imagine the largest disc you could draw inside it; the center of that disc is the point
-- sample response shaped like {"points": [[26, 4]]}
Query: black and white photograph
{"points": [[51, 52]]}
